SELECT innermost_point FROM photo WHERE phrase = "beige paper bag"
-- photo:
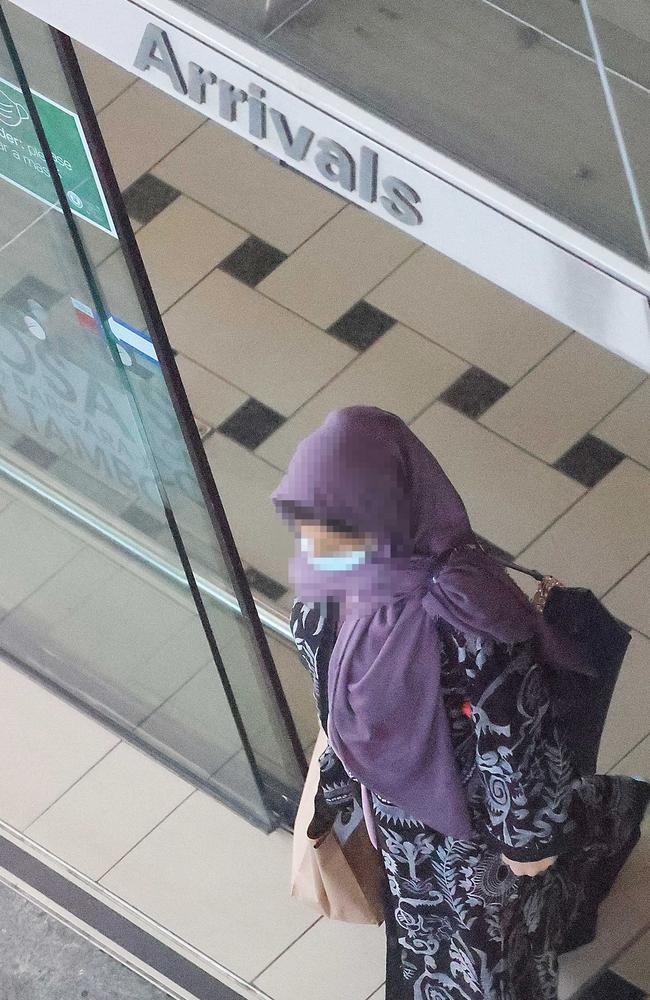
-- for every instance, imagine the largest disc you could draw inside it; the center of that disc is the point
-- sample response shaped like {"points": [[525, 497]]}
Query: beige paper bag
{"points": [[342, 881]]}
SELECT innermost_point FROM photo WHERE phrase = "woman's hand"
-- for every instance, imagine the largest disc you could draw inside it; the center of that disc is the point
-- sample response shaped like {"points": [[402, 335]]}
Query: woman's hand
{"points": [[531, 868]]}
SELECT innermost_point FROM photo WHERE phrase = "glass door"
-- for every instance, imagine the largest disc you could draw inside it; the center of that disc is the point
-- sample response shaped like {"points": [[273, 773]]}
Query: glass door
{"points": [[120, 583]]}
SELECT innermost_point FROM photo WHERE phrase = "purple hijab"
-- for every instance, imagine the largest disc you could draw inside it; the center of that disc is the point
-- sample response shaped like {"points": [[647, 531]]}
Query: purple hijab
{"points": [[363, 468]]}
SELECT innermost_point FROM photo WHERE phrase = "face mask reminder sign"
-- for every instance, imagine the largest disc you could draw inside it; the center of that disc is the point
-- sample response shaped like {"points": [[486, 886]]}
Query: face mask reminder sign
{"points": [[23, 163]]}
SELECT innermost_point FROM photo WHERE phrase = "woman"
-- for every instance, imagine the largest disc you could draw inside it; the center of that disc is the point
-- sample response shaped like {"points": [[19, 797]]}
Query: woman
{"points": [[431, 672]]}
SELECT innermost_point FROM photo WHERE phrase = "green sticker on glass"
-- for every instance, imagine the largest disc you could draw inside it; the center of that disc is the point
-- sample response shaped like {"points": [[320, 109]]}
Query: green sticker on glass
{"points": [[23, 164]]}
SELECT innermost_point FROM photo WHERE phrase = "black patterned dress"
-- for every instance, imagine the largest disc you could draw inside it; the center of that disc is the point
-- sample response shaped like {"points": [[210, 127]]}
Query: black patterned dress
{"points": [[460, 925]]}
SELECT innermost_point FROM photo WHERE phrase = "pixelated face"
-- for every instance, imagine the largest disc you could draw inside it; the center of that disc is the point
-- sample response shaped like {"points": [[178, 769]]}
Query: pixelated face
{"points": [[322, 540]]}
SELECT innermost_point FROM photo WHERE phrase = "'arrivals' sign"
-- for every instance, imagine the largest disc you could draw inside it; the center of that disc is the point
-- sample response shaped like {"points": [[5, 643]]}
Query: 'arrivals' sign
{"points": [[267, 126]]}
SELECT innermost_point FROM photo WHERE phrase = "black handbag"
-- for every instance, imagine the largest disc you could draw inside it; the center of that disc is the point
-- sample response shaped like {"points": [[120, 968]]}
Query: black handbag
{"points": [[581, 702]]}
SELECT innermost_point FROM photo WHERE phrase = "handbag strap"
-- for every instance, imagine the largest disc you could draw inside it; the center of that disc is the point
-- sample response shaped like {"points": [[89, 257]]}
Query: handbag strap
{"points": [[545, 582], [484, 546], [535, 573]]}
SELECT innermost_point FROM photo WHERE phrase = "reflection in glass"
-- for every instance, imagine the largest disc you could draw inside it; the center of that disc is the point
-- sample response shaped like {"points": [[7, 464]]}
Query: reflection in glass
{"points": [[89, 439]]}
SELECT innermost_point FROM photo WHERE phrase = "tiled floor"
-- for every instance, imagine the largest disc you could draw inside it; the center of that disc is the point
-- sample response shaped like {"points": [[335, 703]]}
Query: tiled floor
{"points": [[603, 536], [74, 829], [135, 112], [494, 476], [54, 748], [626, 426], [229, 177], [239, 911], [587, 384], [326, 275]]}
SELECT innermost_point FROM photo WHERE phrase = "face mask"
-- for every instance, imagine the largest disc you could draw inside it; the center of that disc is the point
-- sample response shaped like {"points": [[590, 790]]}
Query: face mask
{"points": [[346, 560]]}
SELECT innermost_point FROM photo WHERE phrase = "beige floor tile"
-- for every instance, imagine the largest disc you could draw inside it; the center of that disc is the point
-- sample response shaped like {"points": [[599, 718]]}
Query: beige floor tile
{"points": [[211, 399], [467, 314], [627, 427], [525, 583], [636, 762], [510, 496], [216, 881], [603, 536], [258, 345], [634, 964], [629, 711], [620, 918], [245, 485], [401, 372], [346, 978], [45, 746], [105, 80], [26, 566], [225, 173], [629, 598], [562, 399], [379, 995], [331, 271], [114, 805], [141, 126], [181, 244]]}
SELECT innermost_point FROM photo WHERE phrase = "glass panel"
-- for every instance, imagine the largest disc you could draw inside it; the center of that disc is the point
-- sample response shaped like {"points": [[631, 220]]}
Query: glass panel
{"points": [[102, 605], [497, 92], [624, 26], [617, 23]]}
